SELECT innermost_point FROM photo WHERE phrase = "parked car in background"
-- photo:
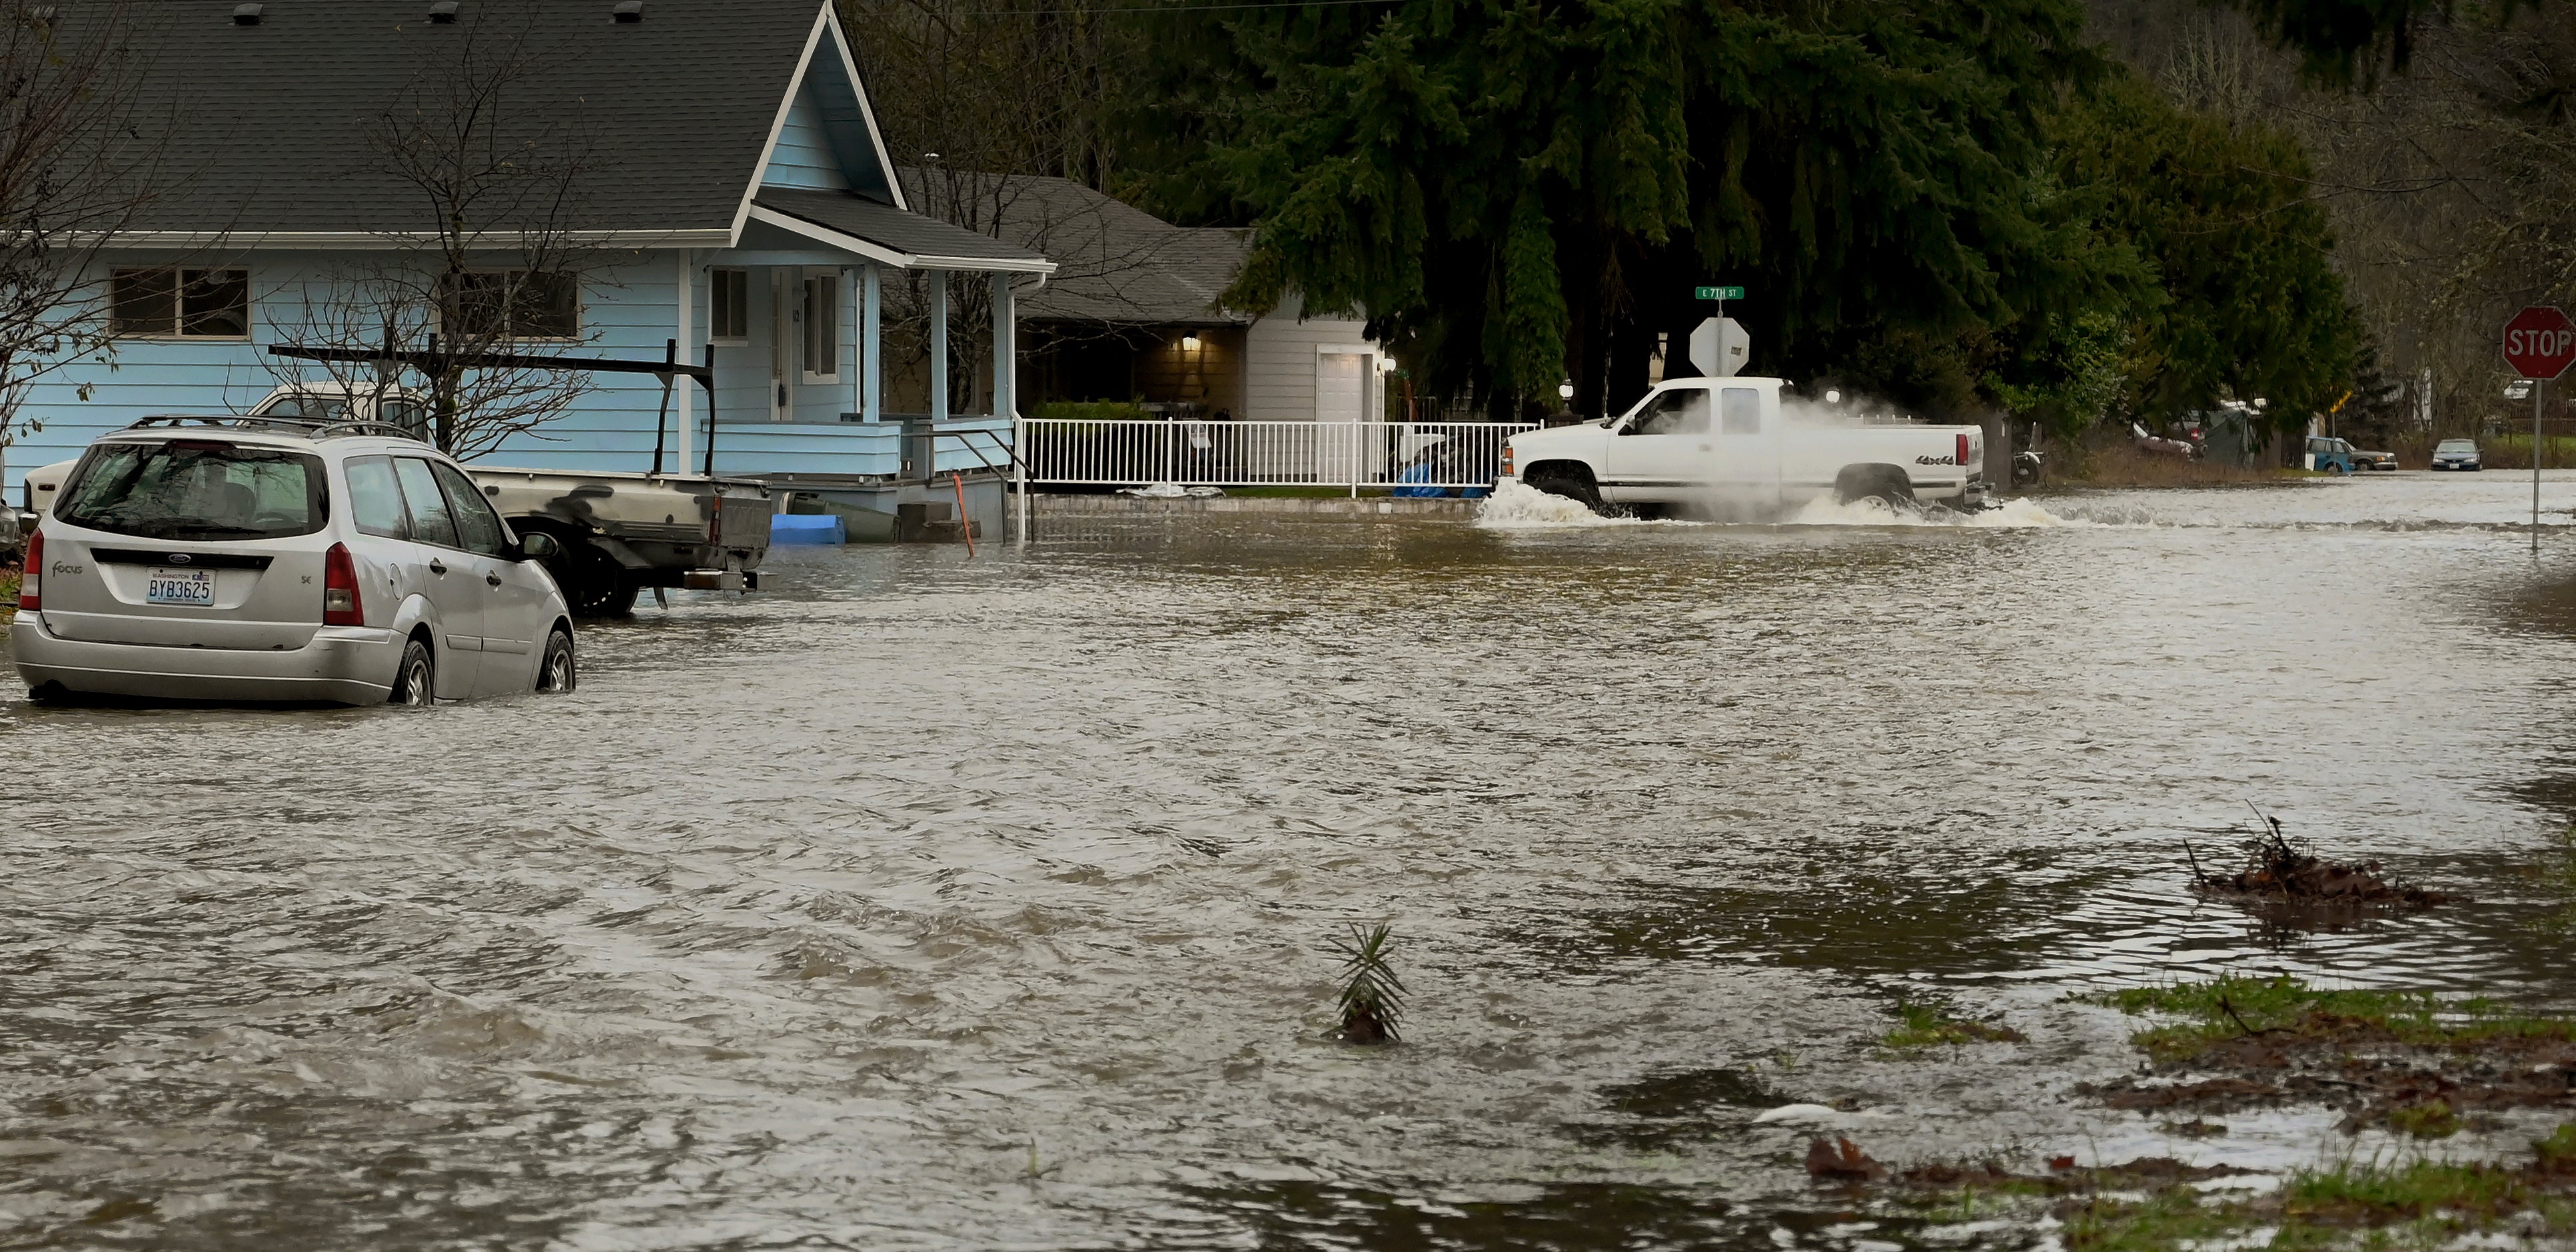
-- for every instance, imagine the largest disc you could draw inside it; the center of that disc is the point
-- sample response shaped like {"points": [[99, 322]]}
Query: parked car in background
{"points": [[2328, 455], [283, 559], [2456, 454], [2385, 462]]}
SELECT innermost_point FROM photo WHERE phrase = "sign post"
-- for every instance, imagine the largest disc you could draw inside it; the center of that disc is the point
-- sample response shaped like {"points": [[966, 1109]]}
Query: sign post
{"points": [[2539, 343], [1717, 339]]}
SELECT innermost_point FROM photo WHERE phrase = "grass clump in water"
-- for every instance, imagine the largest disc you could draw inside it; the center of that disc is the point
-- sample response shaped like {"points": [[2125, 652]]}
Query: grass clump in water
{"points": [[2287, 1011], [1927, 1026]]}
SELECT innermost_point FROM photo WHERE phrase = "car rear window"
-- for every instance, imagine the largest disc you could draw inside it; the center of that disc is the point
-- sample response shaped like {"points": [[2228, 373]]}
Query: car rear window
{"points": [[196, 489]]}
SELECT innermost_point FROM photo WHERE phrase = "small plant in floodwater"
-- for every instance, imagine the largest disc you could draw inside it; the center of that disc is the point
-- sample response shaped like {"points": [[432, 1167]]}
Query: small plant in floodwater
{"points": [[1926, 1025], [2196, 1128], [2432, 1119], [1036, 1171], [1372, 996]]}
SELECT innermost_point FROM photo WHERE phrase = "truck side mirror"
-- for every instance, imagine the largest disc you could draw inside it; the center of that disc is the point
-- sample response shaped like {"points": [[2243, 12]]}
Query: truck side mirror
{"points": [[537, 545]]}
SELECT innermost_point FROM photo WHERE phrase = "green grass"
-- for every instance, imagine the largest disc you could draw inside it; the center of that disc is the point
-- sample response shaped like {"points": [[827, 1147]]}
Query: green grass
{"points": [[2155, 1224], [2414, 1204], [2288, 1005], [2368, 1193], [1927, 1026]]}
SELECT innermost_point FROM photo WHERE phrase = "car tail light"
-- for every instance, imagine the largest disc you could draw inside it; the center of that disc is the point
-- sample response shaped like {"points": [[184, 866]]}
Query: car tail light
{"points": [[340, 603], [1963, 450], [27, 601], [1507, 460]]}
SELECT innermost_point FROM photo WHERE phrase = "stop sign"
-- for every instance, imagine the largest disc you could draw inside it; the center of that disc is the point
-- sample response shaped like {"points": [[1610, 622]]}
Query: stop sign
{"points": [[2540, 342]]}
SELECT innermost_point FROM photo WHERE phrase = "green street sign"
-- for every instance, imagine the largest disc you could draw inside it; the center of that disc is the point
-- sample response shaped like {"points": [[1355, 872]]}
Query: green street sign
{"points": [[1720, 293]]}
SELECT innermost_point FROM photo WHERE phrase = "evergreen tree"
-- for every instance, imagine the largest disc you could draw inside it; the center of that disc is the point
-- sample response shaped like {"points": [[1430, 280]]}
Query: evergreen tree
{"points": [[1519, 190]]}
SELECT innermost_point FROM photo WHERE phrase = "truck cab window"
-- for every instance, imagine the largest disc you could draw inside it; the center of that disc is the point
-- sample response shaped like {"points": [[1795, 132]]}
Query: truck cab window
{"points": [[1681, 411], [1740, 411]]}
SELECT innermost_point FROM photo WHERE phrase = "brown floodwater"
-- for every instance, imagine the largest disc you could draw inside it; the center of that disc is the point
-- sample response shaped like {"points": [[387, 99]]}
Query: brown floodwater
{"points": [[936, 902]]}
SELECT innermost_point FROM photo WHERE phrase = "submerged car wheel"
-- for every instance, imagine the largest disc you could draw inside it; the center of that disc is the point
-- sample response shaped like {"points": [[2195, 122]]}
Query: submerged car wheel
{"points": [[416, 679], [555, 675]]}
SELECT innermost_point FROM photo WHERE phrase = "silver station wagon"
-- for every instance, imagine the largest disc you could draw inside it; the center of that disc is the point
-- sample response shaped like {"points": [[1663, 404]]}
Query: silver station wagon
{"points": [[268, 559]]}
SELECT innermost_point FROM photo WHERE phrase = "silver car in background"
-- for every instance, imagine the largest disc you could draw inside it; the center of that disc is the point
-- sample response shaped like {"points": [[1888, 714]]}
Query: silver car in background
{"points": [[258, 559], [2456, 454]]}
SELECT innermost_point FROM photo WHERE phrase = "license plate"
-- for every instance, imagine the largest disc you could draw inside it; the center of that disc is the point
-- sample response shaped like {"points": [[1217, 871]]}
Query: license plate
{"points": [[194, 587]]}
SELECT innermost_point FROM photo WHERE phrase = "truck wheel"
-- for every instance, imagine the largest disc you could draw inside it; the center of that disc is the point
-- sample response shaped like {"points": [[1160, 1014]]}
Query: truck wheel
{"points": [[1573, 484], [594, 584], [1883, 483]]}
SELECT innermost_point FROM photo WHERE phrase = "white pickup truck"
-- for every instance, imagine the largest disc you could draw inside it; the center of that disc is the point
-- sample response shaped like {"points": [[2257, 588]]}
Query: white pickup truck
{"points": [[616, 533], [1722, 448]]}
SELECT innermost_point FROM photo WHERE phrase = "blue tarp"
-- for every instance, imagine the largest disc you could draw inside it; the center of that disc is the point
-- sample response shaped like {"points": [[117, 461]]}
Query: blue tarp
{"points": [[1422, 474], [787, 528]]}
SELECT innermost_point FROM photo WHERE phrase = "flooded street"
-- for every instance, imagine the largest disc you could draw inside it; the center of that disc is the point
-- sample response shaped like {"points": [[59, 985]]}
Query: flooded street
{"points": [[930, 902]]}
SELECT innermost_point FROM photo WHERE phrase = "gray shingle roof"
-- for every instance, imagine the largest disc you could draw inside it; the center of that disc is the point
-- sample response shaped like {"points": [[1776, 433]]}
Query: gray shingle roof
{"points": [[279, 127], [890, 227], [1117, 264]]}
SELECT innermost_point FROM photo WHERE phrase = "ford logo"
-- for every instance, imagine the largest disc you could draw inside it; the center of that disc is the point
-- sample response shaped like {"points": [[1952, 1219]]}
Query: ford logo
{"points": [[178, 558]]}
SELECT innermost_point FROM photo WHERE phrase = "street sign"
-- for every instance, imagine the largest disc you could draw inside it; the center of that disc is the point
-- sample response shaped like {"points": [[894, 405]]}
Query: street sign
{"points": [[2540, 342], [1719, 293]]}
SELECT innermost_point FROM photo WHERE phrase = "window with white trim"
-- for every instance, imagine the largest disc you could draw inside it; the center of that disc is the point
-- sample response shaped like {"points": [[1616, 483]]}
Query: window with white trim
{"points": [[183, 303], [822, 327]]}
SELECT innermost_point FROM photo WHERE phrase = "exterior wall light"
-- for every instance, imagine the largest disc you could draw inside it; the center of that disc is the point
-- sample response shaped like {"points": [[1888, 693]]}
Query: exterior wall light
{"points": [[1189, 343]]}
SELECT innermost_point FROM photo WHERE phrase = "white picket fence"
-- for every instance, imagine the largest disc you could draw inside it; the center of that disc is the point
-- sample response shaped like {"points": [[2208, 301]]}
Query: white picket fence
{"points": [[1066, 451]]}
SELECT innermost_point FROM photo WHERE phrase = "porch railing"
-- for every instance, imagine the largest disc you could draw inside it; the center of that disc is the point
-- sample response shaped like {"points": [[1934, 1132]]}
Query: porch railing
{"points": [[1069, 452]]}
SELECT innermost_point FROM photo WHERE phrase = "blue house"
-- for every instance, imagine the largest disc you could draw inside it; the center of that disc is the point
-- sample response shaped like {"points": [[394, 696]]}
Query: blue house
{"points": [[713, 165]]}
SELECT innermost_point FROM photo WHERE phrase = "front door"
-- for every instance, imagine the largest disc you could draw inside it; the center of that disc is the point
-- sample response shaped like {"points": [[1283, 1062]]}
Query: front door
{"points": [[1341, 401], [1659, 454], [454, 587]]}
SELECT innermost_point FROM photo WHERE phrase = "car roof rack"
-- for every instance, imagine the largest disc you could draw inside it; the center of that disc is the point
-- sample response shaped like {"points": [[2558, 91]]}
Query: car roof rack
{"points": [[308, 427]]}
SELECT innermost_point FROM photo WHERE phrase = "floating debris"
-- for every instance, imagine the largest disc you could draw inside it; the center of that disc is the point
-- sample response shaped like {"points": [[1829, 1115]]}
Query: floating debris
{"points": [[2275, 872], [1371, 994], [1842, 1160]]}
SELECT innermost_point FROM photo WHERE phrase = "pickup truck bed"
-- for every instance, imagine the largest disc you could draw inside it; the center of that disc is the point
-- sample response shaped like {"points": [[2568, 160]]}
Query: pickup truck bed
{"points": [[623, 532]]}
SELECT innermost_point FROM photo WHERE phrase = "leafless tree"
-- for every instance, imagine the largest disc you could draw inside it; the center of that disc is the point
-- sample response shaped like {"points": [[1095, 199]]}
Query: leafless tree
{"points": [[79, 159], [496, 259], [981, 98]]}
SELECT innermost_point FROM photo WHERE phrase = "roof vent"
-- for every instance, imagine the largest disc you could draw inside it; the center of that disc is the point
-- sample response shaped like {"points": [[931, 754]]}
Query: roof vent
{"points": [[443, 13], [630, 10], [248, 14]]}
